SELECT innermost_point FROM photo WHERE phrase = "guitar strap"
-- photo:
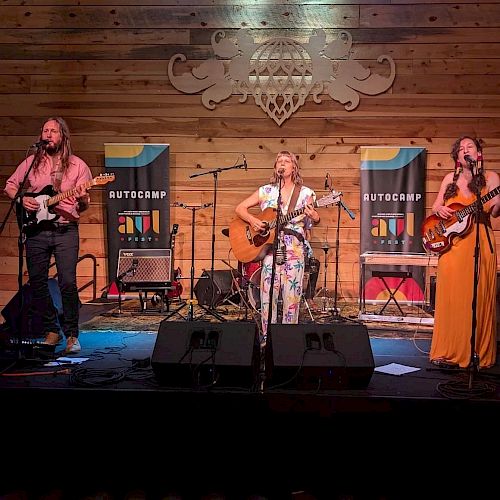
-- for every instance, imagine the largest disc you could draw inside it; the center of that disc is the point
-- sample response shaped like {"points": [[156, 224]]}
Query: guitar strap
{"points": [[294, 198], [291, 208]]}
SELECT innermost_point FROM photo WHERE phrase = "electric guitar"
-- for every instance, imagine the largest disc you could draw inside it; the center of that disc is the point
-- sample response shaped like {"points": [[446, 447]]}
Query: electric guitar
{"points": [[251, 246], [48, 199], [438, 234], [176, 291]]}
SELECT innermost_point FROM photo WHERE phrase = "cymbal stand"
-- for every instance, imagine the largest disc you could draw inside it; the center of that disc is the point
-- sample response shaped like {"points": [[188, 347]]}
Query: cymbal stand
{"points": [[216, 173], [303, 297], [191, 302], [324, 292]]}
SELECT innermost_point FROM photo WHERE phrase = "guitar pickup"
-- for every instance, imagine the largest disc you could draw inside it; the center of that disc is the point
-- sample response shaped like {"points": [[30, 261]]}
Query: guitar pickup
{"points": [[437, 244]]}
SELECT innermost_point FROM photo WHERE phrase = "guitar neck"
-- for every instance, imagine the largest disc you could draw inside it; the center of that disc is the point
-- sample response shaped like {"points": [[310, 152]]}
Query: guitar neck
{"points": [[288, 217], [61, 196], [469, 209]]}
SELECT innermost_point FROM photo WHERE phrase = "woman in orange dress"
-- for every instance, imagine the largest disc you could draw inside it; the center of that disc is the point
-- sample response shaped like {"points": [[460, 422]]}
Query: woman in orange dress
{"points": [[453, 328]]}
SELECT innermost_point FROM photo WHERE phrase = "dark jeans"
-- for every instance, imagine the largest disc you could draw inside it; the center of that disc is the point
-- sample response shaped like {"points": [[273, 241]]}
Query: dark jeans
{"points": [[63, 242]]}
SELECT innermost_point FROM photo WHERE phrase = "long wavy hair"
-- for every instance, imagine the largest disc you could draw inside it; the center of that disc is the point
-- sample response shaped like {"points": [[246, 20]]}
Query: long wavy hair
{"points": [[65, 147], [478, 181], [296, 177]]}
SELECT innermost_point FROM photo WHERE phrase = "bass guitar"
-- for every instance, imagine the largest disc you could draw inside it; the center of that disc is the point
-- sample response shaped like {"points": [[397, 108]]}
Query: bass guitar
{"points": [[48, 199], [251, 246], [438, 234]]}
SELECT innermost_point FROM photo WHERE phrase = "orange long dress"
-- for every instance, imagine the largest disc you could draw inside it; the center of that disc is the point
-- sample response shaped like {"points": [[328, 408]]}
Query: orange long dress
{"points": [[451, 339]]}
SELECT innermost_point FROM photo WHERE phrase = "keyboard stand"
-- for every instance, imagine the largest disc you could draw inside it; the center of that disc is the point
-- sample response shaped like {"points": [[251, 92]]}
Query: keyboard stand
{"points": [[403, 275]]}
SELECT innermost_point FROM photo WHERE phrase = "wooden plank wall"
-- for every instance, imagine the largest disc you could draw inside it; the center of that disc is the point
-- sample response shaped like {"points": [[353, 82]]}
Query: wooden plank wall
{"points": [[103, 66]]}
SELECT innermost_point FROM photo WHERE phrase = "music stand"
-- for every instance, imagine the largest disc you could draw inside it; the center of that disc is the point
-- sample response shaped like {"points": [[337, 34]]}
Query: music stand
{"points": [[191, 302]]}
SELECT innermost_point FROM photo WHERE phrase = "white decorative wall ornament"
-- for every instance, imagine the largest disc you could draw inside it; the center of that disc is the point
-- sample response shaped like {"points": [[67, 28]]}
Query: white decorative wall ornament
{"points": [[280, 73]]}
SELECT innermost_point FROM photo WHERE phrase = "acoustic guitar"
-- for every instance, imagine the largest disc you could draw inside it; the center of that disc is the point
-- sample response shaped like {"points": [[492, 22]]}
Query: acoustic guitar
{"points": [[48, 200], [252, 246], [438, 234]]}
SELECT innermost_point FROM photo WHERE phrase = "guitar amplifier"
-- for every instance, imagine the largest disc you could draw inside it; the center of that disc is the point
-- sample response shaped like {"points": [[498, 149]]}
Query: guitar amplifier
{"points": [[144, 268]]}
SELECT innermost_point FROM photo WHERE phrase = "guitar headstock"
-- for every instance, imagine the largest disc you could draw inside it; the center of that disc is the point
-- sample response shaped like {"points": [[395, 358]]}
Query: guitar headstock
{"points": [[102, 179], [331, 198]]}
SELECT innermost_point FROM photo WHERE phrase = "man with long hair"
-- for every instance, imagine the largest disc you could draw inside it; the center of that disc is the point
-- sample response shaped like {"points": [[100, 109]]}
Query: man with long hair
{"points": [[53, 166]]}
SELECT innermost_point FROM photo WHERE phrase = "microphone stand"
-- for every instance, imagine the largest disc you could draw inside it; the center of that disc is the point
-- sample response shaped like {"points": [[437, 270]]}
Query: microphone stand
{"points": [[215, 173], [119, 283], [20, 245], [474, 358], [267, 351], [191, 301], [336, 314]]}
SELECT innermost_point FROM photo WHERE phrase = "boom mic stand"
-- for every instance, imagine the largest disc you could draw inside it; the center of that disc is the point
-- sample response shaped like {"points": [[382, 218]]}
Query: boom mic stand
{"points": [[336, 316], [215, 173], [191, 301], [119, 281], [20, 245], [267, 351]]}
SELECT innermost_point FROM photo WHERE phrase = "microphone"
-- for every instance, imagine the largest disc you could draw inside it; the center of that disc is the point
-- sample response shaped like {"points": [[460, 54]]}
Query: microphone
{"points": [[135, 263], [469, 160], [281, 171], [41, 142], [245, 163], [327, 184]]}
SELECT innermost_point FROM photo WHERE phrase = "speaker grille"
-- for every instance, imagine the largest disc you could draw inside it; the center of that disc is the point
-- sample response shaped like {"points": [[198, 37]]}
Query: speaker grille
{"points": [[144, 267]]}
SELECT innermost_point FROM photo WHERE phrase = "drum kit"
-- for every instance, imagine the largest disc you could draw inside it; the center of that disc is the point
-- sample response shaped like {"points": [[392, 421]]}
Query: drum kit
{"points": [[249, 275]]}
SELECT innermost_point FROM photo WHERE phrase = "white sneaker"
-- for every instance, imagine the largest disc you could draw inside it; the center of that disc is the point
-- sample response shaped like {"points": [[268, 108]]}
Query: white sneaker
{"points": [[72, 345]]}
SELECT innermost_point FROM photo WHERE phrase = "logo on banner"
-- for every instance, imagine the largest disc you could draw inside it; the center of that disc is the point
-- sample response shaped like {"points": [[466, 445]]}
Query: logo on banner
{"points": [[139, 226], [393, 229]]}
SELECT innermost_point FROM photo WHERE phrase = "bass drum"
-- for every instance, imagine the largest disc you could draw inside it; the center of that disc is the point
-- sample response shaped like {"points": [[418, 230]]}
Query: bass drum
{"points": [[308, 284], [254, 289]]}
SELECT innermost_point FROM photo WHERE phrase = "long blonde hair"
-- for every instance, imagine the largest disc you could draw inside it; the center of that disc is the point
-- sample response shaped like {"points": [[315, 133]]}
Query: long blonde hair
{"points": [[296, 177]]}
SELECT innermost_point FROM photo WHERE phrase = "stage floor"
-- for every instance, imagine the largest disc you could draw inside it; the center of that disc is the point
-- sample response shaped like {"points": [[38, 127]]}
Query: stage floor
{"points": [[117, 425]]}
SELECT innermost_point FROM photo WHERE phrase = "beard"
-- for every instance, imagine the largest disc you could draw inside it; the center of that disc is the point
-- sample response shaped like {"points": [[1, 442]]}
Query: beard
{"points": [[52, 150]]}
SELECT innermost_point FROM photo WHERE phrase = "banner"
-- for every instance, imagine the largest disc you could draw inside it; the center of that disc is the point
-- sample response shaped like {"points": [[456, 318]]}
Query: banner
{"points": [[138, 204], [392, 194]]}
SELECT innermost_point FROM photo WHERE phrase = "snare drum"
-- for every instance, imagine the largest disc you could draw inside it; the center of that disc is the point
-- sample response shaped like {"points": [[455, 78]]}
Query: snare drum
{"points": [[311, 271]]}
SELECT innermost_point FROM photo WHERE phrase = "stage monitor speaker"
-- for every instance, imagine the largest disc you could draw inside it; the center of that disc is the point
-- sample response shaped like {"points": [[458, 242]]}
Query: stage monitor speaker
{"points": [[19, 322], [204, 354], [220, 288], [144, 268], [319, 356]]}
